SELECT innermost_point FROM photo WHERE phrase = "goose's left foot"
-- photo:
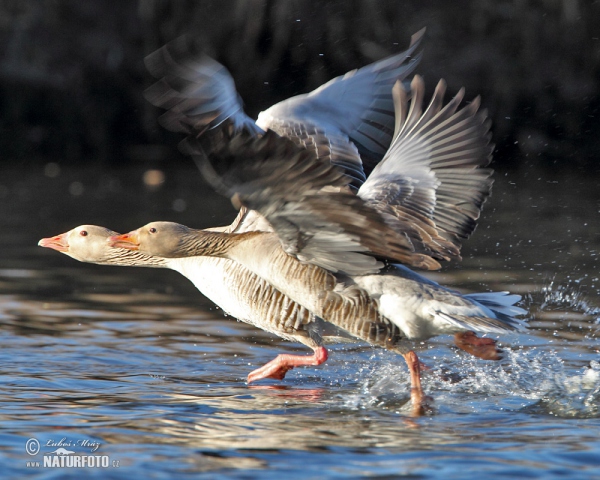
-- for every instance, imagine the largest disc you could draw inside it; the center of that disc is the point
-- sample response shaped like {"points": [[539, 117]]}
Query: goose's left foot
{"points": [[281, 364], [484, 348], [418, 398]]}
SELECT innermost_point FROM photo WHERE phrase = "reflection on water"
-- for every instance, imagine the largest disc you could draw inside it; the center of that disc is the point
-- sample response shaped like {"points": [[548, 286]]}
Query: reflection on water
{"points": [[137, 360]]}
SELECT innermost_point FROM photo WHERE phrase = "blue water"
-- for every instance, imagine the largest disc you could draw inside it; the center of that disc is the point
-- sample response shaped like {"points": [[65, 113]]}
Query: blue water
{"points": [[138, 366]]}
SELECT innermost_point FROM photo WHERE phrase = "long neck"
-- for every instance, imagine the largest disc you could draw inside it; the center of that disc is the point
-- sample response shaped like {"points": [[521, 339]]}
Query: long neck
{"points": [[214, 243], [129, 258]]}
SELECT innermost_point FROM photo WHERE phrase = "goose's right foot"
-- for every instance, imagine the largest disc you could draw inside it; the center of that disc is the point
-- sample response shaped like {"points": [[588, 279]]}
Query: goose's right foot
{"points": [[281, 364]]}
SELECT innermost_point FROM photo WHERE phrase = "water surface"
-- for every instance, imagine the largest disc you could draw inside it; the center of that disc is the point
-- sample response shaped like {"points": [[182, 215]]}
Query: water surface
{"points": [[136, 365]]}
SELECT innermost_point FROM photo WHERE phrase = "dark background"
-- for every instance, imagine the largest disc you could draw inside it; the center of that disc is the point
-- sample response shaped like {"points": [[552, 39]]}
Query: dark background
{"points": [[72, 73]]}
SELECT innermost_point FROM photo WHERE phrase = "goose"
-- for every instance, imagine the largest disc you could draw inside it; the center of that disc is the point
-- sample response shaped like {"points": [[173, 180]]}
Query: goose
{"points": [[236, 290], [393, 305], [384, 309], [347, 121], [335, 252]]}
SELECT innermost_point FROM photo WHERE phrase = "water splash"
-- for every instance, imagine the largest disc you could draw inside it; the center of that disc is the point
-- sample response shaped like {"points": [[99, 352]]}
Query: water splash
{"points": [[535, 380], [568, 296], [574, 396]]}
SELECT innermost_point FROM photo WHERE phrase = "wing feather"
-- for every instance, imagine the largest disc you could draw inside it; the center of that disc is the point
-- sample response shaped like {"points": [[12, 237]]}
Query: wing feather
{"points": [[347, 121], [307, 202], [433, 178]]}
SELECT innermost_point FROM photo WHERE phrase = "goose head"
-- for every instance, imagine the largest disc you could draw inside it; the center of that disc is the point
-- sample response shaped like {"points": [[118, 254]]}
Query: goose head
{"points": [[89, 244], [161, 239], [86, 243]]}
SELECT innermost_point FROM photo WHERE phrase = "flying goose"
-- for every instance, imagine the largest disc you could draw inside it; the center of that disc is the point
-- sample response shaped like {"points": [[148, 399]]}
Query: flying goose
{"points": [[235, 289], [334, 251], [384, 309]]}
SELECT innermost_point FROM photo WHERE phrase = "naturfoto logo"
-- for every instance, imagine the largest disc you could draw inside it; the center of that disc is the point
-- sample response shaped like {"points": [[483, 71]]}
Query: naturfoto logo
{"points": [[65, 454]]}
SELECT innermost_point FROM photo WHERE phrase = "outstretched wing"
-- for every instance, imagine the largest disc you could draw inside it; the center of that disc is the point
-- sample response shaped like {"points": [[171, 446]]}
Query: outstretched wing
{"points": [[432, 180], [317, 218], [348, 121]]}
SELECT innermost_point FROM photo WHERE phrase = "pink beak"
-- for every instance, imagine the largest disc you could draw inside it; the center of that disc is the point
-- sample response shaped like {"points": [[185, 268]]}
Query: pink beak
{"points": [[58, 243]]}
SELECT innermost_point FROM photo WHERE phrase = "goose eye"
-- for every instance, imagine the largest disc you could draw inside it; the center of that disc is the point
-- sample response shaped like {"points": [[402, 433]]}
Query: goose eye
{"points": [[83, 233], [152, 230]]}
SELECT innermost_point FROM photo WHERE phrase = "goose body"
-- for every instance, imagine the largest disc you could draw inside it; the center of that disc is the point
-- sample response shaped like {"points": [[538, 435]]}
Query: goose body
{"points": [[226, 283]]}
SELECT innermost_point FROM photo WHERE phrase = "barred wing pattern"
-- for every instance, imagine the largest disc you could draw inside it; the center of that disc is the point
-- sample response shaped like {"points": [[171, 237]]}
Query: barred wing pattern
{"points": [[432, 181]]}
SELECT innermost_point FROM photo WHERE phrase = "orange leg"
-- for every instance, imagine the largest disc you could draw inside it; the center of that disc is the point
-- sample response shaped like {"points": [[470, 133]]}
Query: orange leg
{"points": [[417, 397], [484, 348], [281, 364]]}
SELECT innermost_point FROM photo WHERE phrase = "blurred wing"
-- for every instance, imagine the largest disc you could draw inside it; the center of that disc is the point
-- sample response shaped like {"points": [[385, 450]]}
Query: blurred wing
{"points": [[432, 180], [306, 201], [347, 122], [197, 92]]}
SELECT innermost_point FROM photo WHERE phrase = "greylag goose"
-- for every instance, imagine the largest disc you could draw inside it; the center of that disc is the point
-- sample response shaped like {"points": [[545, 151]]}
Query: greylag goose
{"points": [[330, 246], [384, 309], [349, 117], [236, 290]]}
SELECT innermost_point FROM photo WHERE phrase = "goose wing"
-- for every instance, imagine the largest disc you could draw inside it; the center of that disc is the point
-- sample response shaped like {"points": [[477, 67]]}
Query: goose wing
{"points": [[348, 121], [433, 179], [197, 91], [307, 202]]}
